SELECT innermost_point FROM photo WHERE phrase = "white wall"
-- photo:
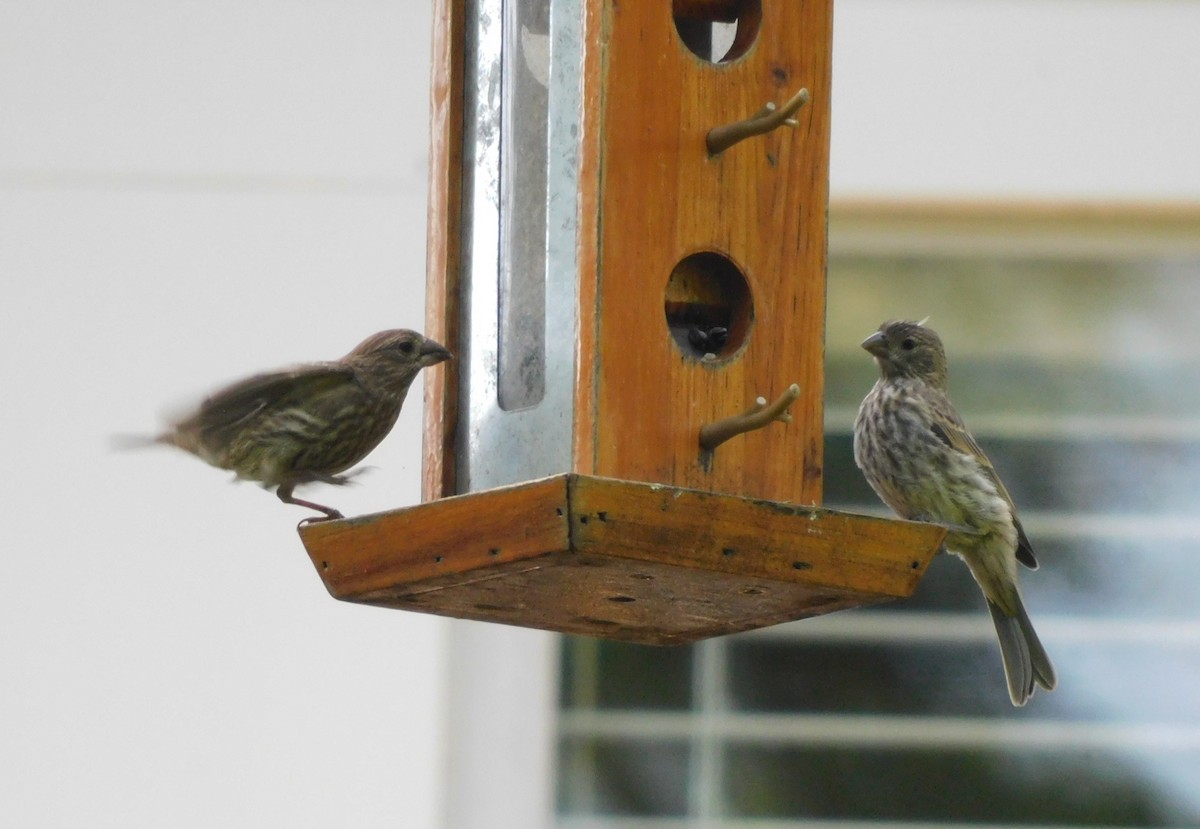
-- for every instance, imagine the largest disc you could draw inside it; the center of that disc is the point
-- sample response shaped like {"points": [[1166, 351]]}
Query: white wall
{"points": [[193, 190], [1058, 99], [190, 191]]}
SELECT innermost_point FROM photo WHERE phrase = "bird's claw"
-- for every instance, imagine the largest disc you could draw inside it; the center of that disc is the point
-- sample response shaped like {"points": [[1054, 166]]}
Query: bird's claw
{"points": [[319, 519]]}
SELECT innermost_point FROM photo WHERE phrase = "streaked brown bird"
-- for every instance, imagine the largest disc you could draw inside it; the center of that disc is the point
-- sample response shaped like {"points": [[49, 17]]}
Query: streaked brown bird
{"points": [[311, 422], [920, 459]]}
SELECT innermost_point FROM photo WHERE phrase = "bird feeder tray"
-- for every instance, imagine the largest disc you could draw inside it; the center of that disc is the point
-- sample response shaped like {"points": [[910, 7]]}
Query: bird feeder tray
{"points": [[647, 563], [627, 252]]}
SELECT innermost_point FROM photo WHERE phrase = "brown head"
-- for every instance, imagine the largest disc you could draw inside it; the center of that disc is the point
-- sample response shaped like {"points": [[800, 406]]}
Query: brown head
{"points": [[395, 357], [908, 349], [402, 345]]}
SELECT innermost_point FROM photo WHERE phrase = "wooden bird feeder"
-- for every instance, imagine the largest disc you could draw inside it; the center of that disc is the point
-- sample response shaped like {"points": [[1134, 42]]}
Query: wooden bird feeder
{"points": [[627, 254]]}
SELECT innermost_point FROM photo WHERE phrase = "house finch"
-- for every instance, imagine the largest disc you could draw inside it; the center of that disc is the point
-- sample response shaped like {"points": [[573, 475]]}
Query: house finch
{"points": [[311, 422], [920, 459]]}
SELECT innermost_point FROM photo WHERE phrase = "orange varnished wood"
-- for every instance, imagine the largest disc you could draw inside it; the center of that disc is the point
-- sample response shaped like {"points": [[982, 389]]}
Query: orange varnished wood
{"points": [[762, 203], [744, 536], [454, 537], [633, 561], [443, 252], [586, 355]]}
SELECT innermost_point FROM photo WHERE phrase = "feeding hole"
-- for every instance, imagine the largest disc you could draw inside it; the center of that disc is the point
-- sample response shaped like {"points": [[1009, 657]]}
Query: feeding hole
{"points": [[916, 565], [717, 31], [438, 559], [324, 565], [622, 599], [603, 516], [728, 551], [801, 565], [494, 551], [708, 307], [751, 591]]}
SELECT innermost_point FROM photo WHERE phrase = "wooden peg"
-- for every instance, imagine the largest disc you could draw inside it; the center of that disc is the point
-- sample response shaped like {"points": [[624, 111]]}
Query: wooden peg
{"points": [[766, 119], [757, 416]]}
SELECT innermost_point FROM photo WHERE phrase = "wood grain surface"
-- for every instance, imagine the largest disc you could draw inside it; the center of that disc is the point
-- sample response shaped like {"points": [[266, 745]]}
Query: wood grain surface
{"points": [[640, 562]]}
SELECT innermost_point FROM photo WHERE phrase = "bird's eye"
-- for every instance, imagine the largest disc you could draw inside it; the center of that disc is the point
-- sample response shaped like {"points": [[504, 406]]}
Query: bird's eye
{"points": [[406, 347], [908, 344]]}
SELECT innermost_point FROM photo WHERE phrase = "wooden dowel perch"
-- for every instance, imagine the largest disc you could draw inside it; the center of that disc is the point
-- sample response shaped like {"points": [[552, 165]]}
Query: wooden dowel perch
{"points": [[757, 416], [766, 119]]}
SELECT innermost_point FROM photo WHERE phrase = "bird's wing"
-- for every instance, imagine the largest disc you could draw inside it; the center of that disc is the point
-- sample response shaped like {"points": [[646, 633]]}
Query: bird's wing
{"points": [[950, 430], [223, 414], [1024, 548]]}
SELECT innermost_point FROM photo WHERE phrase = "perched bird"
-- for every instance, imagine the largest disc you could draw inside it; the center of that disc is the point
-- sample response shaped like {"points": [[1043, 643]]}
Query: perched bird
{"points": [[311, 422], [920, 459]]}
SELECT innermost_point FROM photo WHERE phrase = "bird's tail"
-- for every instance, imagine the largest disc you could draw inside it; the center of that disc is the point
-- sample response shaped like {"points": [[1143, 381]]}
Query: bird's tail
{"points": [[124, 443], [1026, 663]]}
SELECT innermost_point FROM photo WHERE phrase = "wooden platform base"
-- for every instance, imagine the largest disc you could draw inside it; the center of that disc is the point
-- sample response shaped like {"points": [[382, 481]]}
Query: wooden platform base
{"points": [[621, 560]]}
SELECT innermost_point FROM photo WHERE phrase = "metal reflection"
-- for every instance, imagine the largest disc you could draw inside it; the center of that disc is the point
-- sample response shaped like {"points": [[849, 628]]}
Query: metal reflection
{"points": [[521, 136]]}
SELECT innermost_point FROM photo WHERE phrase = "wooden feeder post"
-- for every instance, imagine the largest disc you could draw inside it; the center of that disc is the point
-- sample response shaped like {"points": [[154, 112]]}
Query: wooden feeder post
{"points": [[627, 253]]}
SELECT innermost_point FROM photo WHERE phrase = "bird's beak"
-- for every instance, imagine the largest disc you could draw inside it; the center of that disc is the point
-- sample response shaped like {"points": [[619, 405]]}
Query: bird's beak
{"points": [[433, 352], [876, 344]]}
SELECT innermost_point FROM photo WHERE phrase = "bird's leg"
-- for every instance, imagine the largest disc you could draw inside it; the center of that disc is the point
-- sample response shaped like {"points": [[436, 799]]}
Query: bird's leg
{"points": [[285, 494]]}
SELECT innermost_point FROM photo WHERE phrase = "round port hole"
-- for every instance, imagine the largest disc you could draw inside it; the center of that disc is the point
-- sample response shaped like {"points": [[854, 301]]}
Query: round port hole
{"points": [[708, 307], [718, 31]]}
